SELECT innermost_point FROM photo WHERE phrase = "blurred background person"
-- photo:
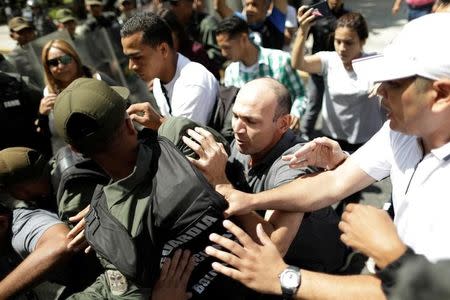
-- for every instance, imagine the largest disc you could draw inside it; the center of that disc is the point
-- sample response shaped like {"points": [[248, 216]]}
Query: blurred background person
{"points": [[126, 9], [290, 27], [20, 57], [265, 18], [37, 15], [199, 26], [65, 19], [97, 18], [185, 45], [322, 31], [416, 8], [21, 31]]}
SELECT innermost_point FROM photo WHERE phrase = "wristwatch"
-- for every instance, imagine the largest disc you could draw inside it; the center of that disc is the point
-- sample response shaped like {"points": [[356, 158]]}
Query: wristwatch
{"points": [[290, 280]]}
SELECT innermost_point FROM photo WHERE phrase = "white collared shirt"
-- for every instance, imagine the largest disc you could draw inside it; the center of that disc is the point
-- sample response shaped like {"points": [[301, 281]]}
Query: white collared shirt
{"points": [[420, 188], [192, 92]]}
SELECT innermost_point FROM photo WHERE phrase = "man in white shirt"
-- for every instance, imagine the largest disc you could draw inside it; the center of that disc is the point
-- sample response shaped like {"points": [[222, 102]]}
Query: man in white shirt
{"points": [[413, 147], [181, 87]]}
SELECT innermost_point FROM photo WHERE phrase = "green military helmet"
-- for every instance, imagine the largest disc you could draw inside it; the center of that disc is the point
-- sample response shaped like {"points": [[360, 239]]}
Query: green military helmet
{"points": [[64, 15], [93, 2], [19, 164], [88, 112], [18, 23]]}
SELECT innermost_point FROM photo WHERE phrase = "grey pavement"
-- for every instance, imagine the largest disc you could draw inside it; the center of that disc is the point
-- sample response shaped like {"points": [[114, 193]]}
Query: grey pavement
{"points": [[382, 25]]}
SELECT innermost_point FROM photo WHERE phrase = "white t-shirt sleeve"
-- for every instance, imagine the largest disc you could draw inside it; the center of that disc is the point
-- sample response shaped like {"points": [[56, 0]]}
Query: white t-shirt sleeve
{"points": [[325, 58], [375, 156]]}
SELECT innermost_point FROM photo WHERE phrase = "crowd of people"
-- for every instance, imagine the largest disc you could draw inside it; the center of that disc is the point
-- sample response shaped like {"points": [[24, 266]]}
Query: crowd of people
{"points": [[118, 182]]}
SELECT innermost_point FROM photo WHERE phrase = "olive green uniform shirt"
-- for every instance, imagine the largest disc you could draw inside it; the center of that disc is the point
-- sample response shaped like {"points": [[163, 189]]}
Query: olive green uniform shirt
{"points": [[128, 198]]}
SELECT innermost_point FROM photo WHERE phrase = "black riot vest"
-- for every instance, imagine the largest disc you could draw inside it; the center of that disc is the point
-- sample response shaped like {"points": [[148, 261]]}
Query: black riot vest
{"points": [[183, 210]]}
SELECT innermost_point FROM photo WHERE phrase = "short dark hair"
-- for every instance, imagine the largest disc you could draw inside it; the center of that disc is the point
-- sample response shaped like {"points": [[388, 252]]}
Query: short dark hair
{"points": [[232, 26], [282, 95], [284, 102], [356, 22], [155, 29]]}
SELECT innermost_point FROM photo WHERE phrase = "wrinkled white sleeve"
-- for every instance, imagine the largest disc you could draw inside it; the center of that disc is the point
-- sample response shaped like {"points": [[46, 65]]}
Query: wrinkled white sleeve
{"points": [[375, 156]]}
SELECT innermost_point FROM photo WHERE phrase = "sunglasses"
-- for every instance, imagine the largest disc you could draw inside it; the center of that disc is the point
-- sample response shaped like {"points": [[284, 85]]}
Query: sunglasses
{"points": [[65, 60]]}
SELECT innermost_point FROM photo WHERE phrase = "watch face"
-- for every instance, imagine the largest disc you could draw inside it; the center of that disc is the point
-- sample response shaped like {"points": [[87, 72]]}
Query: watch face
{"points": [[290, 279]]}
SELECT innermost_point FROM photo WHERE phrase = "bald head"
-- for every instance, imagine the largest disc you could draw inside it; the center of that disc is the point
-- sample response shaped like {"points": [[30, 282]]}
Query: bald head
{"points": [[266, 92], [260, 116]]}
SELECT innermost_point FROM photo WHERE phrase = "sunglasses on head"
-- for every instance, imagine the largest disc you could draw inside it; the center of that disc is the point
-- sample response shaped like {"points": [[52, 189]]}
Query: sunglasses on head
{"points": [[65, 60]]}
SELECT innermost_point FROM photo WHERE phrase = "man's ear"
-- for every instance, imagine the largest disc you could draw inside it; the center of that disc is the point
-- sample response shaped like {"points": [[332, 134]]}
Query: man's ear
{"points": [[130, 126], [164, 49], [244, 38], [284, 122], [442, 88]]}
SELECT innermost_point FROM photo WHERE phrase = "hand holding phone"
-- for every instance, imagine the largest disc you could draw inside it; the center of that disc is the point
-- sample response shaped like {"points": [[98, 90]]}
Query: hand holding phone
{"points": [[307, 14], [320, 10]]}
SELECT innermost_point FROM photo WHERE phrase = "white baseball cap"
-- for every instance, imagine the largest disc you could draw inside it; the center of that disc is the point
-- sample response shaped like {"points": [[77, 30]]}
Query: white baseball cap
{"points": [[422, 48]]}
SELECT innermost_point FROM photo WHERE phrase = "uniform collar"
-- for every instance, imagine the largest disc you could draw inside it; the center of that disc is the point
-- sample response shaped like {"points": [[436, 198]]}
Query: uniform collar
{"points": [[141, 168]]}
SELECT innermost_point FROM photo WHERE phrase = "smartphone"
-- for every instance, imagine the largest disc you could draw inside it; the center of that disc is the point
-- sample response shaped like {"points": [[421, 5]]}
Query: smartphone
{"points": [[321, 10]]}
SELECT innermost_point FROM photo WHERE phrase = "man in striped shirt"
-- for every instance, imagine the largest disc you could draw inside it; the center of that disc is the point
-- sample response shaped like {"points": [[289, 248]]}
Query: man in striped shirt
{"points": [[251, 62]]}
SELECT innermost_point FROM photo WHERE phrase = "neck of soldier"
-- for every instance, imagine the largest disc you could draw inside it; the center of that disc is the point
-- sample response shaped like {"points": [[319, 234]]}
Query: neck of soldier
{"points": [[250, 56], [120, 161]]}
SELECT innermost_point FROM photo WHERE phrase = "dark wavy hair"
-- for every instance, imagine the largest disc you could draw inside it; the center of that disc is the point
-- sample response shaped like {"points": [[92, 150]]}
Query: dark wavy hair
{"points": [[232, 26], [356, 22]]}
